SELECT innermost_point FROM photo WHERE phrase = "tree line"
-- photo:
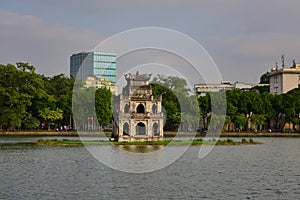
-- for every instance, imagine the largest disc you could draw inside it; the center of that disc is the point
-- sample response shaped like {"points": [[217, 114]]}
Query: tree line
{"points": [[29, 100], [254, 110]]}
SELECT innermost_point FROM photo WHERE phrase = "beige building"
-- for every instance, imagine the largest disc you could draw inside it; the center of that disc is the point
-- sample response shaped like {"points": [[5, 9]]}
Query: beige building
{"points": [[92, 81], [202, 89], [137, 113], [284, 79]]}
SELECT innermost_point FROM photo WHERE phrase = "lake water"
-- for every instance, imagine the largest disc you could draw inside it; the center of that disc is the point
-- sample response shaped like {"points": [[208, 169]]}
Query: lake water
{"points": [[268, 171]]}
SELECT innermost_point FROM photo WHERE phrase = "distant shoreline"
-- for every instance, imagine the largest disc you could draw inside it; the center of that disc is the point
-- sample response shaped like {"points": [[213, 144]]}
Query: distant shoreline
{"points": [[167, 134]]}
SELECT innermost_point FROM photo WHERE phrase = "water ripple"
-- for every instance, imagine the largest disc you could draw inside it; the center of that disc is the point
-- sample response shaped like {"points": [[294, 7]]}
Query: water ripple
{"points": [[269, 171]]}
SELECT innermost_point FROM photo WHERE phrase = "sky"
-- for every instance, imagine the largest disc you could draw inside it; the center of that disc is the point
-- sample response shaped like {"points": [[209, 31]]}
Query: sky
{"points": [[244, 38]]}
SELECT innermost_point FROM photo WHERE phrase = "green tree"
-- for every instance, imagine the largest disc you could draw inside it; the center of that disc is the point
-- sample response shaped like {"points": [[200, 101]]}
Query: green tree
{"points": [[61, 88], [181, 107], [31, 122], [51, 116], [171, 105], [240, 121], [18, 86], [171, 82], [248, 103], [204, 104], [291, 107], [103, 98], [264, 79], [83, 106], [262, 89], [233, 99], [258, 121]]}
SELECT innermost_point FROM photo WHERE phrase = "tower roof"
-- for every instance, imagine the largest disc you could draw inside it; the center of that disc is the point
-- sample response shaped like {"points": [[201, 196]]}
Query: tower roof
{"points": [[137, 76]]}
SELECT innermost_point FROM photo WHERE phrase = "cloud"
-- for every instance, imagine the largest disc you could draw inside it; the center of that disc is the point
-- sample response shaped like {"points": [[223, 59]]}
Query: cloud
{"points": [[244, 37], [114, 6], [248, 56], [46, 45], [258, 45]]}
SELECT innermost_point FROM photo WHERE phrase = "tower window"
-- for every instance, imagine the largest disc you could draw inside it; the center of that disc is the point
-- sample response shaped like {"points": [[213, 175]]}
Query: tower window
{"points": [[140, 108], [126, 129], [126, 108], [154, 108]]}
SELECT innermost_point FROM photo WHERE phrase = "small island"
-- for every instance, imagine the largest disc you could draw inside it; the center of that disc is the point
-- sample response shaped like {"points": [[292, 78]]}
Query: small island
{"points": [[200, 141]]}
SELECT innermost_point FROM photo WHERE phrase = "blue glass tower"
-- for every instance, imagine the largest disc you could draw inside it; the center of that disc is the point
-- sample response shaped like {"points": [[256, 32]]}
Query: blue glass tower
{"points": [[97, 64]]}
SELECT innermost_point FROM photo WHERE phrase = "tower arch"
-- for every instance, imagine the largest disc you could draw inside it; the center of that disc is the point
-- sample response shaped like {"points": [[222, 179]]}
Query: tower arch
{"points": [[126, 108], [141, 129], [126, 129], [155, 129], [140, 108]]}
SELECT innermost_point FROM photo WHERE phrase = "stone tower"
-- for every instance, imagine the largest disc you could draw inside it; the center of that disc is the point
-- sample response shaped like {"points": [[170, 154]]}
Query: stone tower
{"points": [[137, 113]]}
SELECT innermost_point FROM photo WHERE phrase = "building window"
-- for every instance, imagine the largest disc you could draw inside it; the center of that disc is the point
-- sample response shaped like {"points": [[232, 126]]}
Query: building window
{"points": [[155, 129]]}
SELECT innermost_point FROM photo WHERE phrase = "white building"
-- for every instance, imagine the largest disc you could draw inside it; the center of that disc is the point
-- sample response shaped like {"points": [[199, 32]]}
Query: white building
{"points": [[284, 79], [202, 89]]}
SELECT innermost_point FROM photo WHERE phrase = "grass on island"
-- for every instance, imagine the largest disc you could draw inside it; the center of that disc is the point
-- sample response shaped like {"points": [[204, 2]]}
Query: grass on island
{"points": [[66, 142]]}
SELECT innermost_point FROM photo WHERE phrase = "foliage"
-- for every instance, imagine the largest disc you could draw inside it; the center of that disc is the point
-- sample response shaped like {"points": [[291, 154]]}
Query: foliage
{"points": [[19, 85], [103, 107], [27, 99], [262, 89], [51, 115], [171, 105], [171, 82], [264, 79], [25, 95], [182, 108], [240, 120], [61, 88], [261, 109], [200, 141], [83, 105]]}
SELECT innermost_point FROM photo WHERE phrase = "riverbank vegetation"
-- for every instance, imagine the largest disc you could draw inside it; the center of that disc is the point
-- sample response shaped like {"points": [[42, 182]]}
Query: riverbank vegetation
{"points": [[253, 111], [250, 111], [31, 101]]}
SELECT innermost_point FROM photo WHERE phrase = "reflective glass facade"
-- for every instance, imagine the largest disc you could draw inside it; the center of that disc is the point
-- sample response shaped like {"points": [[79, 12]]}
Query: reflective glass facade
{"points": [[98, 64]]}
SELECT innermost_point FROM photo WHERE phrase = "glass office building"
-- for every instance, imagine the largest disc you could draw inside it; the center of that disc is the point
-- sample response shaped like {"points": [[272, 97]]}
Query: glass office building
{"points": [[96, 64]]}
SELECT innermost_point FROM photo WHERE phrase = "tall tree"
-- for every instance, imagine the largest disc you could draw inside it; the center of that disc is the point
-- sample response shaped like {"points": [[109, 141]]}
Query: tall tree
{"points": [[51, 116], [103, 107], [18, 86], [172, 82], [182, 109], [171, 105], [83, 106], [61, 88]]}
